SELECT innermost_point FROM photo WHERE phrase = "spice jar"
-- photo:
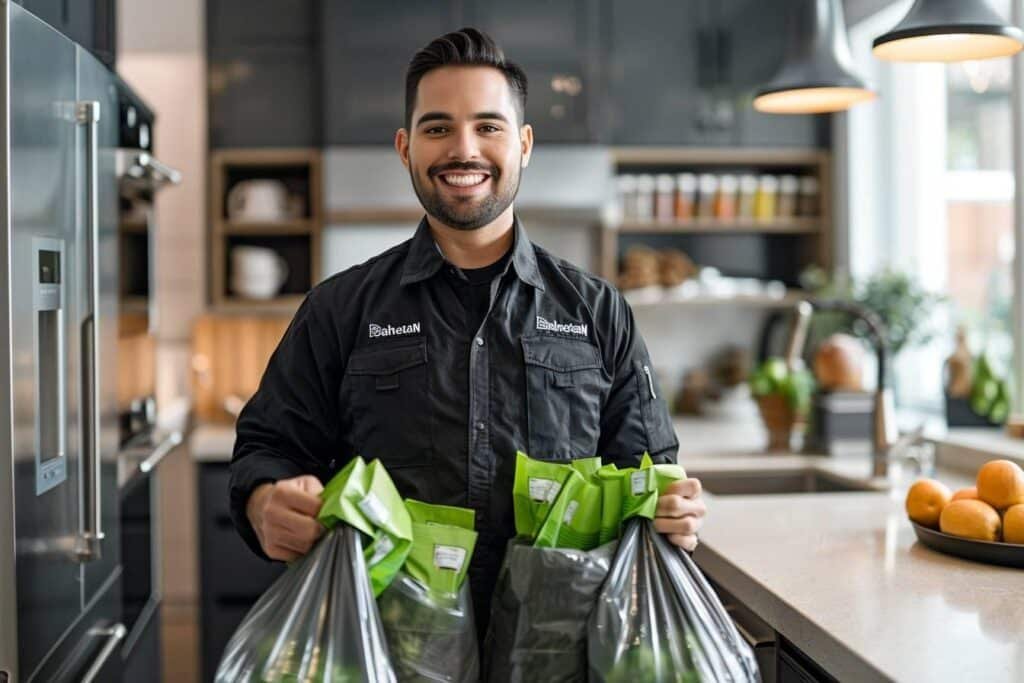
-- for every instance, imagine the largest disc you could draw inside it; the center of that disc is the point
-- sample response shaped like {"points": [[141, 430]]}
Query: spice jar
{"points": [[726, 204], [707, 189], [764, 201], [645, 197], [626, 189], [809, 204], [686, 196], [788, 188], [748, 191], [664, 198]]}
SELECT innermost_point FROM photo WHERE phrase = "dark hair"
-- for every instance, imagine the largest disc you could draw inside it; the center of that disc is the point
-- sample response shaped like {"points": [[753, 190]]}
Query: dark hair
{"points": [[465, 47]]}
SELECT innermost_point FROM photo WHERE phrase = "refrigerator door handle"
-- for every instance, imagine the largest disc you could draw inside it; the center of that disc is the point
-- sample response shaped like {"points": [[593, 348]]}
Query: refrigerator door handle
{"points": [[114, 635], [87, 115]]}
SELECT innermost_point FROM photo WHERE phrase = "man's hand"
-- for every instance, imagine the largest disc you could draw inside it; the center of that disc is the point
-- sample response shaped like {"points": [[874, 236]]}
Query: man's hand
{"points": [[681, 513], [283, 515]]}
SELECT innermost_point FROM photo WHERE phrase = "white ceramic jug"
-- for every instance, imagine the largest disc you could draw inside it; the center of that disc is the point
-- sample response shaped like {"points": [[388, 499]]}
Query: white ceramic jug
{"points": [[257, 272], [258, 200]]}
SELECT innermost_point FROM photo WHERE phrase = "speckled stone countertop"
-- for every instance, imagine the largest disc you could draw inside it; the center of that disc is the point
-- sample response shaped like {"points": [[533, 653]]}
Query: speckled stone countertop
{"points": [[843, 577]]}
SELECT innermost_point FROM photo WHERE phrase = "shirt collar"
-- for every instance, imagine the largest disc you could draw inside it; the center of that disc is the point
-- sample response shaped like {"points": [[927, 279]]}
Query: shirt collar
{"points": [[425, 259]]}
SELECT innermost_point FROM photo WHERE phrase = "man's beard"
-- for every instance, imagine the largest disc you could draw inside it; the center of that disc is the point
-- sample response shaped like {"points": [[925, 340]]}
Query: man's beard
{"points": [[469, 213]]}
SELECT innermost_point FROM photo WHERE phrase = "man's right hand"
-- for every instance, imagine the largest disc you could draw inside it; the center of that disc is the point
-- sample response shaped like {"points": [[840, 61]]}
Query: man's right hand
{"points": [[283, 515]]}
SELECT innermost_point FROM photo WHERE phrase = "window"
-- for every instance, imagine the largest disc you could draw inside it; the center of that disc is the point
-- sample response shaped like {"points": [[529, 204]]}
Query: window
{"points": [[931, 187]]}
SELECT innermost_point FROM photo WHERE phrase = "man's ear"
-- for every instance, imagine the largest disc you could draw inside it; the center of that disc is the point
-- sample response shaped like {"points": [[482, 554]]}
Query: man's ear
{"points": [[402, 145], [526, 142]]}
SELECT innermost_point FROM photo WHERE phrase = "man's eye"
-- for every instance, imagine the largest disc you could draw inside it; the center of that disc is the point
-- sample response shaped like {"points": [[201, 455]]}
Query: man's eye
{"points": [[435, 130], [488, 128]]}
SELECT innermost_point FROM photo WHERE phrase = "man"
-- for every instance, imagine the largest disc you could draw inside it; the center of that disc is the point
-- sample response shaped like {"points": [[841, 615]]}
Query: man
{"points": [[446, 354]]}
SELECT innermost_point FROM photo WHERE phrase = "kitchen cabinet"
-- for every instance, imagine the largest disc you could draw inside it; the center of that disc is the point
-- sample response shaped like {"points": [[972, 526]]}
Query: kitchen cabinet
{"points": [[263, 73], [685, 74], [90, 23], [231, 577], [366, 49]]}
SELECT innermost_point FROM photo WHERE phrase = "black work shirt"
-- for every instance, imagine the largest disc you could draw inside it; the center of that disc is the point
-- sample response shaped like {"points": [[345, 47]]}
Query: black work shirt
{"points": [[382, 361]]}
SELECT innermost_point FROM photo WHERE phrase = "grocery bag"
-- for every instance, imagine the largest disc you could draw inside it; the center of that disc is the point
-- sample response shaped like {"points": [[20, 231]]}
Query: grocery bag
{"points": [[319, 621], [657, 619], [427, 612], [552, 571]]}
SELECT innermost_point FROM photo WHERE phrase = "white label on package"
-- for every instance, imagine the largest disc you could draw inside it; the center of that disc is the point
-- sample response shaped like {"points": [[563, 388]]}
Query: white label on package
{"points": [[543, 490], [638, 482], [570, 511], [449, 557], [374, 509], [381, 548]]}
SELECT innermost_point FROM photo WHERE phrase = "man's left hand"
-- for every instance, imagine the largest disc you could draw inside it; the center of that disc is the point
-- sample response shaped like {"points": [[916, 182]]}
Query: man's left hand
{"points": [[681, 513]]}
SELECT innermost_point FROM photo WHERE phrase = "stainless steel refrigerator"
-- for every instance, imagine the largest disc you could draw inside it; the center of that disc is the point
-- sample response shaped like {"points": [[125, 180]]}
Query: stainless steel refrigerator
{"points": [[60, 568]]}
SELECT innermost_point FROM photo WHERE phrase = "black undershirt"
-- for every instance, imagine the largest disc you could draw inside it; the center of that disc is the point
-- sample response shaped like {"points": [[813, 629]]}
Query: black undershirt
{"points": [[475, 291]]}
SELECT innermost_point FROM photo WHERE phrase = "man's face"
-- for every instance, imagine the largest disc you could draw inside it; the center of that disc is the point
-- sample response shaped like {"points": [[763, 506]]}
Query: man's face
{"points": [[465, 149]]}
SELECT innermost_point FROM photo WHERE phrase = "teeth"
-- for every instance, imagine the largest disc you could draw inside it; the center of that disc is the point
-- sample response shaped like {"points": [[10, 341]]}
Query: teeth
{"points": [[464, 180]]}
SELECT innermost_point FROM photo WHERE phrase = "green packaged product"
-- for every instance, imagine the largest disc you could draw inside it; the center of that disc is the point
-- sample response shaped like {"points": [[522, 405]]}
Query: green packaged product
{"points": [[427, 611]]}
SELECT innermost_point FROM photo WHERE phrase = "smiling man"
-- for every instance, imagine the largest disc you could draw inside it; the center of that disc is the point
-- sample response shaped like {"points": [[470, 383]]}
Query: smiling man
{"points": [[446, 354]]}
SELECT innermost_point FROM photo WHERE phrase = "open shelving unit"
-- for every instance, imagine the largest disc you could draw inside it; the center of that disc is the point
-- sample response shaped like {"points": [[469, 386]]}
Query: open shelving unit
{"points": [[811, 236], [296, 239]]}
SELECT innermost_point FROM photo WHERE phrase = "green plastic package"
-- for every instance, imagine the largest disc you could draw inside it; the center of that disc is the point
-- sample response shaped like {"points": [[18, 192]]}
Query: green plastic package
{"points": [[364, 497], [536, 486], [574, 520], [427, 612]]}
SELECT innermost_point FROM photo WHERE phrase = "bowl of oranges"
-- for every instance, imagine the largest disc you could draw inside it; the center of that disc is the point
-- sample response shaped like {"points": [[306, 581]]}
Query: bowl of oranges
{"points": [[984, 522]]}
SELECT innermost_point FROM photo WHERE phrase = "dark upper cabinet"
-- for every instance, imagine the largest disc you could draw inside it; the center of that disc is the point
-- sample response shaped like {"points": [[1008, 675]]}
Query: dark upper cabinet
{"points": [[366, 48], [263, 73], [685, 73], [90, 23], [557, 45]]}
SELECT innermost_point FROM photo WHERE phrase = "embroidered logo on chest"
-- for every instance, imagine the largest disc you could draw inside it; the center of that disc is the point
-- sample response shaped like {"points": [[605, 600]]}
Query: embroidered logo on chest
{"points": [[546, 325], [393, 330]]}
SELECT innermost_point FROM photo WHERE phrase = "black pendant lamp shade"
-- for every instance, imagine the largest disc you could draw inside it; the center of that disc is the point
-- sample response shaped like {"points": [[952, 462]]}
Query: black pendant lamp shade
{"points": [[949, 31], [817, 76]]}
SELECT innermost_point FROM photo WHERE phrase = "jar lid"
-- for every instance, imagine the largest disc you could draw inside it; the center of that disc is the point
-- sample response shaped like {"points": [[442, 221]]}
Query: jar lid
{"points": [[665, 183], [626, 183], [708, 182], [769, 182], [686, 182], [645, 183], [789, 183], [809, 185]]}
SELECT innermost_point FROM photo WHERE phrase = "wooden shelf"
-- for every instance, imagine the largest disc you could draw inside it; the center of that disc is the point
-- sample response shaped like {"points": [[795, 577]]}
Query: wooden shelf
{"points": [[298, 226], [711, 225]]}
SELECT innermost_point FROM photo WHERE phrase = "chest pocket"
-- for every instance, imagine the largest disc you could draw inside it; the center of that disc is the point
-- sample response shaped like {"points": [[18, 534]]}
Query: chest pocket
{"points": [[386, 391], [565, 388]]}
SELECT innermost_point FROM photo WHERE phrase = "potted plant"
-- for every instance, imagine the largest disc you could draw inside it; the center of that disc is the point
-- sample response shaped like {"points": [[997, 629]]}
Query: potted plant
{"points": [[783, 396]]}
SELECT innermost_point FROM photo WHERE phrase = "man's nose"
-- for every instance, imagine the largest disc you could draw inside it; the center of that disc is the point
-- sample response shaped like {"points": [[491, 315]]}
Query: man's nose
{"points": [[464, 144]]}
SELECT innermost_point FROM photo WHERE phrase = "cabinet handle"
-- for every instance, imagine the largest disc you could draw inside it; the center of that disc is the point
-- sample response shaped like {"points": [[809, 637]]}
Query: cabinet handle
{"points": [[87, 115], [114, 635], [168, 444]]}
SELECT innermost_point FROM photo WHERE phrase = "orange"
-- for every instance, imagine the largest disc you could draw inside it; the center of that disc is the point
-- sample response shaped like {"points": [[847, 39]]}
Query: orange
{"points": [[925, 501], [1001, 483], [1013, 524], [970, 519], [971, 493]]}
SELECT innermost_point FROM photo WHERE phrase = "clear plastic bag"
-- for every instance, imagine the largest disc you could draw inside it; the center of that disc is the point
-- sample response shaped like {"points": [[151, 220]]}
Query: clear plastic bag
{"points": [[657, 619], [431, 634], [318, 622], [539, 615]]}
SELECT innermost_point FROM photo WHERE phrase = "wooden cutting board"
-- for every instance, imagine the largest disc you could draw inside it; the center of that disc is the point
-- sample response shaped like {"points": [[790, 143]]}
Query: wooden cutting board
{"points": [[229, 355]]}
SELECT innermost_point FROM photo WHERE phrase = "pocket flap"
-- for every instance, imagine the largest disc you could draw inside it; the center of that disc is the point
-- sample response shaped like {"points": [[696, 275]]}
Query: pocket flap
{"points": [[561, 354], [388, 360]]}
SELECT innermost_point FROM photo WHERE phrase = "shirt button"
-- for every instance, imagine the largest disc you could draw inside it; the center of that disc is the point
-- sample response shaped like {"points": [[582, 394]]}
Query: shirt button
{"points": [[479, 341], [480, 426]]}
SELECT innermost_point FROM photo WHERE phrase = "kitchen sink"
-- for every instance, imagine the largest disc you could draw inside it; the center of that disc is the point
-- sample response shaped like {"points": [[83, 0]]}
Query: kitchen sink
{"points": [[802, 480]]}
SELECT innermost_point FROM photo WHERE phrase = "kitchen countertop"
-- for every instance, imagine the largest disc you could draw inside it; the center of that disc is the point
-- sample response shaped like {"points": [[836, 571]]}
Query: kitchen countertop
{"points": [[843, 577]]}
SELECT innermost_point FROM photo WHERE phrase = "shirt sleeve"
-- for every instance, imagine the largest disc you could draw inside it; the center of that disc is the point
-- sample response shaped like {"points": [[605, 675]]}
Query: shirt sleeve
{"points": [[635, 418], [289, 426]]}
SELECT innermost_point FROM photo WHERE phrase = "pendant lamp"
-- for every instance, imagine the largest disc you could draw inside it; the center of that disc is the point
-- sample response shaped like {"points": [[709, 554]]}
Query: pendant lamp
{"points": [[817, 76], [949, 31]]}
